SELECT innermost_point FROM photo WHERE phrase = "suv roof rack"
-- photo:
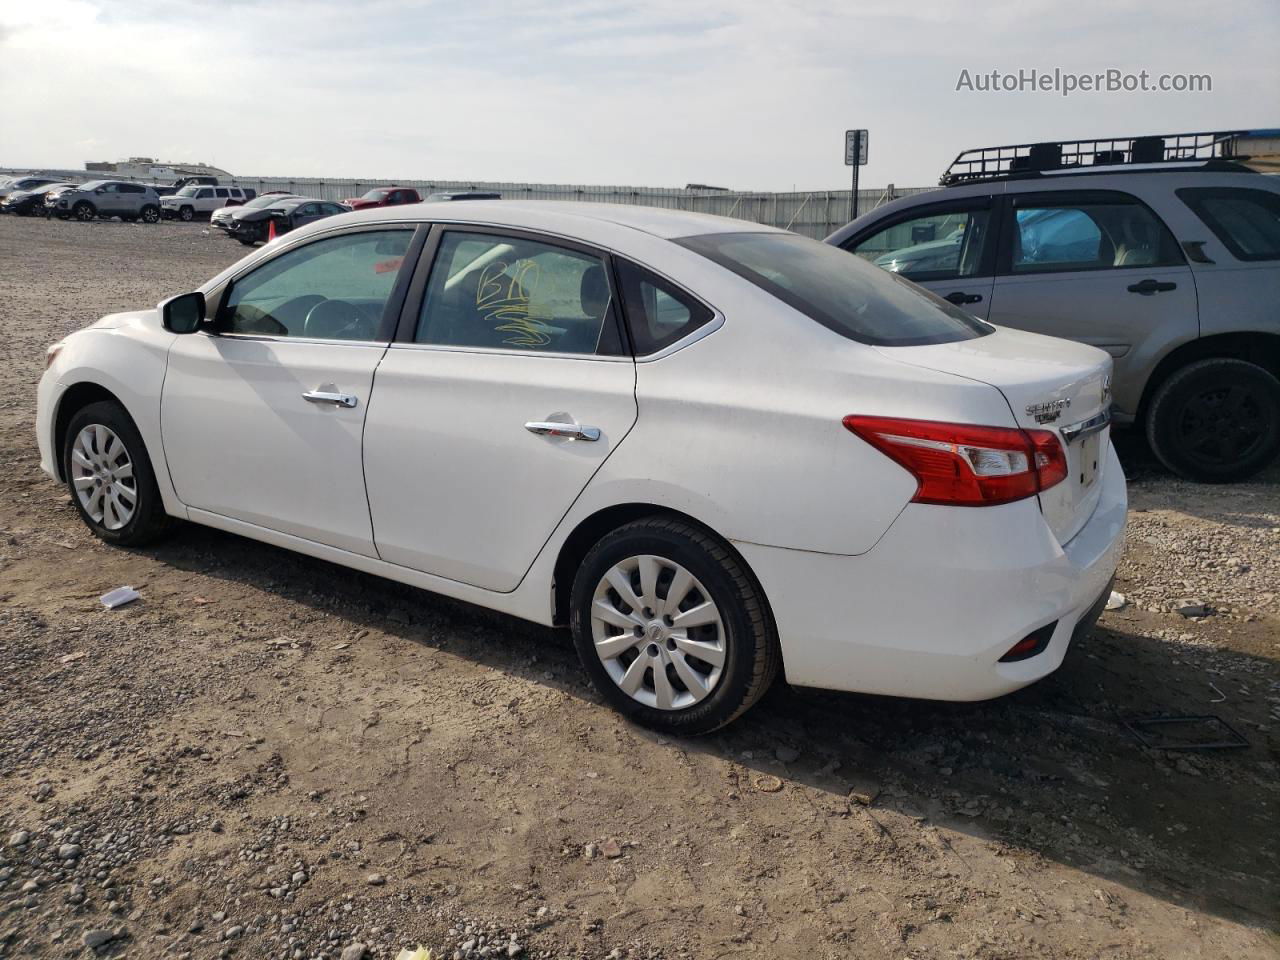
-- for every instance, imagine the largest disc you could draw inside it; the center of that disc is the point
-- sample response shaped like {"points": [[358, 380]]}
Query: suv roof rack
{"points": [[1214, 150]]}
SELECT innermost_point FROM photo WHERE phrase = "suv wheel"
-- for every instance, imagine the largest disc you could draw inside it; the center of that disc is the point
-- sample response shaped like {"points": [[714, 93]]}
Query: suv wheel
{"points": [[150, 213], [84, 210], [110, 477], [1216, 421], [670, 627], [186, 214]]}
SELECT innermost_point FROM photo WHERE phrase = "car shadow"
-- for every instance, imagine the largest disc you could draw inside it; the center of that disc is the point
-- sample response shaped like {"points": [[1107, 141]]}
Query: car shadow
{"points": [[1051, 769]]}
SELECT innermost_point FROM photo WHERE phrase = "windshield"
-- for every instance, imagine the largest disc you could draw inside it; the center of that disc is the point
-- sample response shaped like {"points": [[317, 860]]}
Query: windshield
{"points": [[187, 192], [843, 293], [263, 201], [375, 195], [92, 184]]}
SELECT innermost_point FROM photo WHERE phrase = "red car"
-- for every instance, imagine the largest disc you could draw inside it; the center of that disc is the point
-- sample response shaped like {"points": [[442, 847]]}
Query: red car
{"points": [[384, 197]]}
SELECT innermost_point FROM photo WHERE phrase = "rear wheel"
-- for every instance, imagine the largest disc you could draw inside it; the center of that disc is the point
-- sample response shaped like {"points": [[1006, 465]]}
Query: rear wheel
{"points": [[671, 628], [84, 211], [1216, 421], [110, 477], [150, 214]]}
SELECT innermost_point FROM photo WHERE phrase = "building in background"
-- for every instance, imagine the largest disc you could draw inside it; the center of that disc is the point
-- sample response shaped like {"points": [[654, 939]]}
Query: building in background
{"points": [[145, 168]]}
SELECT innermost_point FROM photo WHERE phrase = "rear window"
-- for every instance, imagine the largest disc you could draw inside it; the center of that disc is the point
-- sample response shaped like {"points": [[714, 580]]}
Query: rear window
{"points": [[842, 292], [1247, 221]]}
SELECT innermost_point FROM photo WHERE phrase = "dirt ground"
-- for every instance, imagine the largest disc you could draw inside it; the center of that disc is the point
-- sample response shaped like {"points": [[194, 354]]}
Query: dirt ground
{"points": [[270, 756]]}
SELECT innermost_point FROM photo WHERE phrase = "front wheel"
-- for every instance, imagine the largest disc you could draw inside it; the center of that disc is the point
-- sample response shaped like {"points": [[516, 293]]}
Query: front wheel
{"points": [[84, 211], [671, 628], [110, 477], [1216, 421], [150, 214], [186, 214]]}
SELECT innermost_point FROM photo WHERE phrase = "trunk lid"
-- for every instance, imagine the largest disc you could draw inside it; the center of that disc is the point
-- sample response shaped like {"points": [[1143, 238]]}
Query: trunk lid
{"points": [[1049, 384]]}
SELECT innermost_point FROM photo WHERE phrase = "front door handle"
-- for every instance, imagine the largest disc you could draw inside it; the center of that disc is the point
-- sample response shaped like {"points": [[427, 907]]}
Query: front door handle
{"points": [[959, 298], [570, 431], [325, 396], [1148, 287]]}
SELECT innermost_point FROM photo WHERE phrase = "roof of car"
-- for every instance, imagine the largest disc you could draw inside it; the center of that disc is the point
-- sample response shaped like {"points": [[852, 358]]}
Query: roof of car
{"points": [[563, 215]]}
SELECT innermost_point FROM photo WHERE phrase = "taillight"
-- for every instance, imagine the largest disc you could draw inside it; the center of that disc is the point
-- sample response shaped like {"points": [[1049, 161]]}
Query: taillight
{"points": [[965, 465]]}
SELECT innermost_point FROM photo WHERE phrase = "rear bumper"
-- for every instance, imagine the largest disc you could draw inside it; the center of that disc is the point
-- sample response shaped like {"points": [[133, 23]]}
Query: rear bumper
{"points": [[929, 610]]}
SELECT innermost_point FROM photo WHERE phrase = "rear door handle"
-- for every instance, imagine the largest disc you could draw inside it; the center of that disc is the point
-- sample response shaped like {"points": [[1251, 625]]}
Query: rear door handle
{"points": [[1148, 287], [325, 396], [570, 431], [959, 298]]}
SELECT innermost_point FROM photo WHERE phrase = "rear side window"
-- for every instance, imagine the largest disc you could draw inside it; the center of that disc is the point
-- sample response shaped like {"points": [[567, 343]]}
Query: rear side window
{"points": [[843, 293], [516, 293], [1247, 221], [1098, 230], [222, 192], [658, 313]]}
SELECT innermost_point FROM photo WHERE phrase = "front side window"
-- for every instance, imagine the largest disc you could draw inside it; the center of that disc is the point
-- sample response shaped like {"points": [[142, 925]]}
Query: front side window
{"points": [[658, 313], [204, 194], [843, 293], [1246, 220], [332, 289], [937, 245], [1058, 232], [512, 293]]}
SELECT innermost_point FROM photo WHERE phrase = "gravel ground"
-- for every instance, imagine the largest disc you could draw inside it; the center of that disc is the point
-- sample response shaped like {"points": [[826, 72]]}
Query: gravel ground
{"points": [[270, 756]]}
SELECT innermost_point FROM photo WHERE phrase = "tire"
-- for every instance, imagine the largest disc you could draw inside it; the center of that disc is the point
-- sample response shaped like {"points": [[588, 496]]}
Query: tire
{"points": [[84, 211], [742, 637], [89, 433], [1216, 421], [186, 214], [150, 213]]}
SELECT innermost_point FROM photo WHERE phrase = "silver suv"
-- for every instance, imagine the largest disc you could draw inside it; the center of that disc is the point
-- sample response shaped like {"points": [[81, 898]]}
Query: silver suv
{"points": [[1163, 251], [108, 198]]}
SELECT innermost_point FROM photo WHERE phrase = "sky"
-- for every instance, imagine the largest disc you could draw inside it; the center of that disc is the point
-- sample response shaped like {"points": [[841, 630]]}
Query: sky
{"points": [[745, 94]]}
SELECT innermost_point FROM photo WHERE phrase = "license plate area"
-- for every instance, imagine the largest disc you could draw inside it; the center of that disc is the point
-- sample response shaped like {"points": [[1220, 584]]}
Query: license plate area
{"points": [[1087, 453]]}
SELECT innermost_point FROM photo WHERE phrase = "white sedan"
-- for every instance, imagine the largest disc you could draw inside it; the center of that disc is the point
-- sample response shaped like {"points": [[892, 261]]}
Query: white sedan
{"points": [[711, 448]]}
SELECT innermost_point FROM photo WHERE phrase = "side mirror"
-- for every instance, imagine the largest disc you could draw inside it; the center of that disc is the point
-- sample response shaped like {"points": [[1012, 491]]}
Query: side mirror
{"points": [[183, 313]]}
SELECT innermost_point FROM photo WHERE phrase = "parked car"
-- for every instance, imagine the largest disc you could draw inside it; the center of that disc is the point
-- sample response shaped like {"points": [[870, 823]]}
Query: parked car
{"points": [[713, 449], [1170, 262], [444, 195], [196, 201], [221, 218], [14, 184], [384, 197], [51, 198], [108, 198], [29, 203], [252, 225]]}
